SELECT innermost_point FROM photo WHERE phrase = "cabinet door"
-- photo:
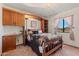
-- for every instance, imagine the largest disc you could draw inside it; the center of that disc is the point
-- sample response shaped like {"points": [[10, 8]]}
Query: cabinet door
{"points": [[18, 22], [7, 17], [14, 18], [8, 43], [20, 19]]}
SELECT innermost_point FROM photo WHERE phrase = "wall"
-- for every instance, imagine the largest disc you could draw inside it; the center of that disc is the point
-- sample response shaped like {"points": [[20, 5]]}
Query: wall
{"points": [[50, 25], [28, 23], [66, 38], [10, 30], [0, 29]]}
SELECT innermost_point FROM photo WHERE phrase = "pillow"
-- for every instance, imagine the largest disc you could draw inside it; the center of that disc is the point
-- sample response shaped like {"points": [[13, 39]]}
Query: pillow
{"points": [[54, 36], [49, 35]]}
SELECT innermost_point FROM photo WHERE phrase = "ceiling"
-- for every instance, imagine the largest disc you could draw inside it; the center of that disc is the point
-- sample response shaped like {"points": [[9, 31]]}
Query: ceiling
{"points": [[43, 9]]}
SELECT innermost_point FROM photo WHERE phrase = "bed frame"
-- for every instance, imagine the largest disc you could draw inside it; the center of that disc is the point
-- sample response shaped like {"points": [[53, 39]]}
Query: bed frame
{"points": [[52, 46], [49, 47]]}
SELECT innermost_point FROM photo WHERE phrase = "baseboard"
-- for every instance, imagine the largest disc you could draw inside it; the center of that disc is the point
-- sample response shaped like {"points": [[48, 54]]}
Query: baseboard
{"points": [[20, 44], [71, 45]]}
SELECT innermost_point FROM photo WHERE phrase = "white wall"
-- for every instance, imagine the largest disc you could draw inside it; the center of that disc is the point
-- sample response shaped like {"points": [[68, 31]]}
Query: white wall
{"points": [[50, 25], [0, 29], [66, 38], [10, 30]]}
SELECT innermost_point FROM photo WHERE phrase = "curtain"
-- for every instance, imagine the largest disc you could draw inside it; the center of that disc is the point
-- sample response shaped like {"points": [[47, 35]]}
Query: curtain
{"points": [[69, 19], [72, 35], [56, 22], [70, 22]]}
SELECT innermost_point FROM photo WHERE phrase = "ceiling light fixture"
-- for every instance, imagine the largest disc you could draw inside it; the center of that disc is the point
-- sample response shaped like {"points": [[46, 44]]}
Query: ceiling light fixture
{"points": [[48, 5]]}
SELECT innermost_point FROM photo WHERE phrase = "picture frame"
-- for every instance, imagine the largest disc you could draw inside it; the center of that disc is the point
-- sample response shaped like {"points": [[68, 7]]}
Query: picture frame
{"points": [[33, 24]]}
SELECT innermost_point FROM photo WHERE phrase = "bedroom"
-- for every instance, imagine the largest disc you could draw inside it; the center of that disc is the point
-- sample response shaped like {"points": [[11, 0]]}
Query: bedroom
{"points": [[43, 29]]}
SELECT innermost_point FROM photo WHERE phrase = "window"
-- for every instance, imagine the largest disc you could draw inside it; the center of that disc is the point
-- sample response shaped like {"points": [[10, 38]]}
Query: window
{"points": [[64, 24]]}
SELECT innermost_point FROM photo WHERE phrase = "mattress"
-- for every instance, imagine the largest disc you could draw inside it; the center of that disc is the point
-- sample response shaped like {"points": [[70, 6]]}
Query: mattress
{"points": [[49, 35]]}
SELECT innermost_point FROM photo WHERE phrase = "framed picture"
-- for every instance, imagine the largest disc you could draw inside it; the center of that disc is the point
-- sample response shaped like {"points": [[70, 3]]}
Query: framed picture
{"points": [[33, 24]]}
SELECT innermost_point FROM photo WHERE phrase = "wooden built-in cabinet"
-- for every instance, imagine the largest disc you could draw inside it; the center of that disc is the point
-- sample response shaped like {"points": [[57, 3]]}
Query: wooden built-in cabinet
{"points": [[12, 18], [44, 25], [8, 43]]}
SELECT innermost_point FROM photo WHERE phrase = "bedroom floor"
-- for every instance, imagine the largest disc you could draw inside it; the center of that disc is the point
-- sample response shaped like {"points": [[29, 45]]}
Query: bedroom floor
{"points": [[27, 51]]}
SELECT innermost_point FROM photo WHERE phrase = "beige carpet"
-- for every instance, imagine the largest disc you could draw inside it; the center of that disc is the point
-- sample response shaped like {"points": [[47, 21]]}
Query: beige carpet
{"points": [[20, 51], [27, 51], [67, 51]]}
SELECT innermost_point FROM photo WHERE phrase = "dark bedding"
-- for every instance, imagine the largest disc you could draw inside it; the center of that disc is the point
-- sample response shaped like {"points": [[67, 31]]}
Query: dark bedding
{"points": [[34, 44]]}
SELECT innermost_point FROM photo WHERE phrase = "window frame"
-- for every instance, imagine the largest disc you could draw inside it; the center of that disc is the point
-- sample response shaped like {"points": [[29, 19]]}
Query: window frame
{"points": [[64, 25]]}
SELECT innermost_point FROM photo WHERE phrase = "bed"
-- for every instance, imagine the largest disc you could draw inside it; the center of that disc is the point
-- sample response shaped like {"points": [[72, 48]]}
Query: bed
{"points": [[45, 44]]}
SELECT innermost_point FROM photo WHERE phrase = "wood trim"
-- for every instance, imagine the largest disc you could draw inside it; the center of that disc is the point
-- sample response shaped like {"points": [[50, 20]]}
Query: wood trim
{"points": [[51, 51]]}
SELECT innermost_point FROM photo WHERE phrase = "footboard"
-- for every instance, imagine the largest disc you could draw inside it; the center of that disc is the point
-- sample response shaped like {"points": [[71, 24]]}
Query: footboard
{"points": [[52, 47], [52, 50]]}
